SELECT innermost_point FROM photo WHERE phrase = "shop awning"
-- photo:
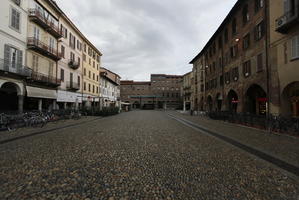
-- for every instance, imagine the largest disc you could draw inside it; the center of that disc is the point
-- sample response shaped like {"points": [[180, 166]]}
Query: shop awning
{"points": [[41, 93]]}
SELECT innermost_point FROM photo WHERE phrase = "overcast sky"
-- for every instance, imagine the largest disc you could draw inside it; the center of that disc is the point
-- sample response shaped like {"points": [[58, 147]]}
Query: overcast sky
{"points": [[142, 37]]}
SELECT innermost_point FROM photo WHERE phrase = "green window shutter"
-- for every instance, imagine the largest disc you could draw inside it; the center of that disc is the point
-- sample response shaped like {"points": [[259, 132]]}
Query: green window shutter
{"points": [[6, 57], [19, 60]]}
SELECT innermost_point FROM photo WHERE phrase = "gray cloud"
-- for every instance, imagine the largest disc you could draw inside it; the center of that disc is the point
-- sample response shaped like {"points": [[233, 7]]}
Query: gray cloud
{"points": [[140, 37]]}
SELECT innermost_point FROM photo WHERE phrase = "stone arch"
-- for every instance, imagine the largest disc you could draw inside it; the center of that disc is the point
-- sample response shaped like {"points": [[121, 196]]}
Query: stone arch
{"points": [[9, 94], [290, 100], [232, 100], [255, 100]]}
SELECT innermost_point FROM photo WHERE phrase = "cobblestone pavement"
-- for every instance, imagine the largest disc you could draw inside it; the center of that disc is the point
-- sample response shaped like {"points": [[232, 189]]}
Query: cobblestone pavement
{"points": [[135, 155], [282, 146]]}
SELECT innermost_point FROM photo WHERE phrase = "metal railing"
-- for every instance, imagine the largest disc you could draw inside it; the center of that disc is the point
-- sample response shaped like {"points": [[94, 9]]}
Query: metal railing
{"points": [[72, 85], [45, 78], [45, 22], [7, 66], [31, 41], [274, 123], [74, 64], [287, 18]]}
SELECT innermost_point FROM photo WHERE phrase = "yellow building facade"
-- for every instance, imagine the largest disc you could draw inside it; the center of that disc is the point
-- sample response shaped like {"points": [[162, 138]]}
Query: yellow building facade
{"points": [[91, 75]]}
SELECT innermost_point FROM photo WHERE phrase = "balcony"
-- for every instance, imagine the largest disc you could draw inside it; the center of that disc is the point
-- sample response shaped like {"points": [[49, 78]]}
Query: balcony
{"points": [[14, 69], [74, 64], [72, 86], [40, 47], [39, 18], [45, 80], [287, 21]]}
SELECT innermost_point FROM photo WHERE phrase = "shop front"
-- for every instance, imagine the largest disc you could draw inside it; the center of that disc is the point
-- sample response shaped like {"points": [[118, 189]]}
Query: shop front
{"points": [[68, 100]]}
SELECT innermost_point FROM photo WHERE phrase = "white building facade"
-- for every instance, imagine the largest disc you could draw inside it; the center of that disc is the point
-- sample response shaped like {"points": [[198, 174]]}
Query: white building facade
{"points": [[109, 89], [69, 94], [13, 39]]}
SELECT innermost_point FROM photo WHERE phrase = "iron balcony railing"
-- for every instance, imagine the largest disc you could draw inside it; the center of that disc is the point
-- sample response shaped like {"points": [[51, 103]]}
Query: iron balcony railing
{"points": [[286, 21], [18, 69], [72, 85], [40, 18], [74, 64], [43, 48], [45, 79]]}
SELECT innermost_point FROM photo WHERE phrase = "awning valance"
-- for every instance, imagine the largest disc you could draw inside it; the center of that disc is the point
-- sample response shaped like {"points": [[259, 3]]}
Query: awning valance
{"points": [[41, 93]]}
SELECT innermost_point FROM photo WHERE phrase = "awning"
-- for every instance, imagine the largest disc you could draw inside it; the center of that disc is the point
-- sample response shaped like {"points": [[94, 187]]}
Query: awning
{"points": [[71, 97], [41, 93]]}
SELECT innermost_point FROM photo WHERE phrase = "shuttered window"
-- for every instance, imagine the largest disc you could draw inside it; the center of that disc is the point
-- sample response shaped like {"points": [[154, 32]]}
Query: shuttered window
{"points": [[13, 58], [259, 63], [295, 47], [15, 19]]}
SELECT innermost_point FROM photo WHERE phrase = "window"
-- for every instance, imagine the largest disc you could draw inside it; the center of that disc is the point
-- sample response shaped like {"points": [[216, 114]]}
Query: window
{"points": [[295, 47], [71, 77], [233, 51], [259, 63], [89, 87], [12, 57], [221, 80], [89, 74], [72, 41], [79, 61], [78, 44], [226, 35], [79, 81], [72, 56], [97, 77], [35, 63], [245, 14], [93, 76], [259, 31], [84, 86], [62, 75], [227, 77], [234, 26], [258, 5], [235, 73], [220, 42], [15, 19], [247, 68], [84, 71], [93, 64], [63, 51], [84, 57], [92, 88], [246, 41]]}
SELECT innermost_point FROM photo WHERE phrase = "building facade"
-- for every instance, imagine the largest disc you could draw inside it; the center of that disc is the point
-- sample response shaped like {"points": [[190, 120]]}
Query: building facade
{"points": [[187, 92], [42, 54], [91, 75], [13, 45], [69, 94], [284, 55], [235, 62], [45, 61], [162, 92], [109, 88], [167, 89], [250, 63], [137, 93]]}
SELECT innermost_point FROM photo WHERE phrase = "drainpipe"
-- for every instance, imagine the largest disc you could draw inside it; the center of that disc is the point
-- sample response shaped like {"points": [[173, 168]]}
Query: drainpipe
{"points": [[267, 36]]}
